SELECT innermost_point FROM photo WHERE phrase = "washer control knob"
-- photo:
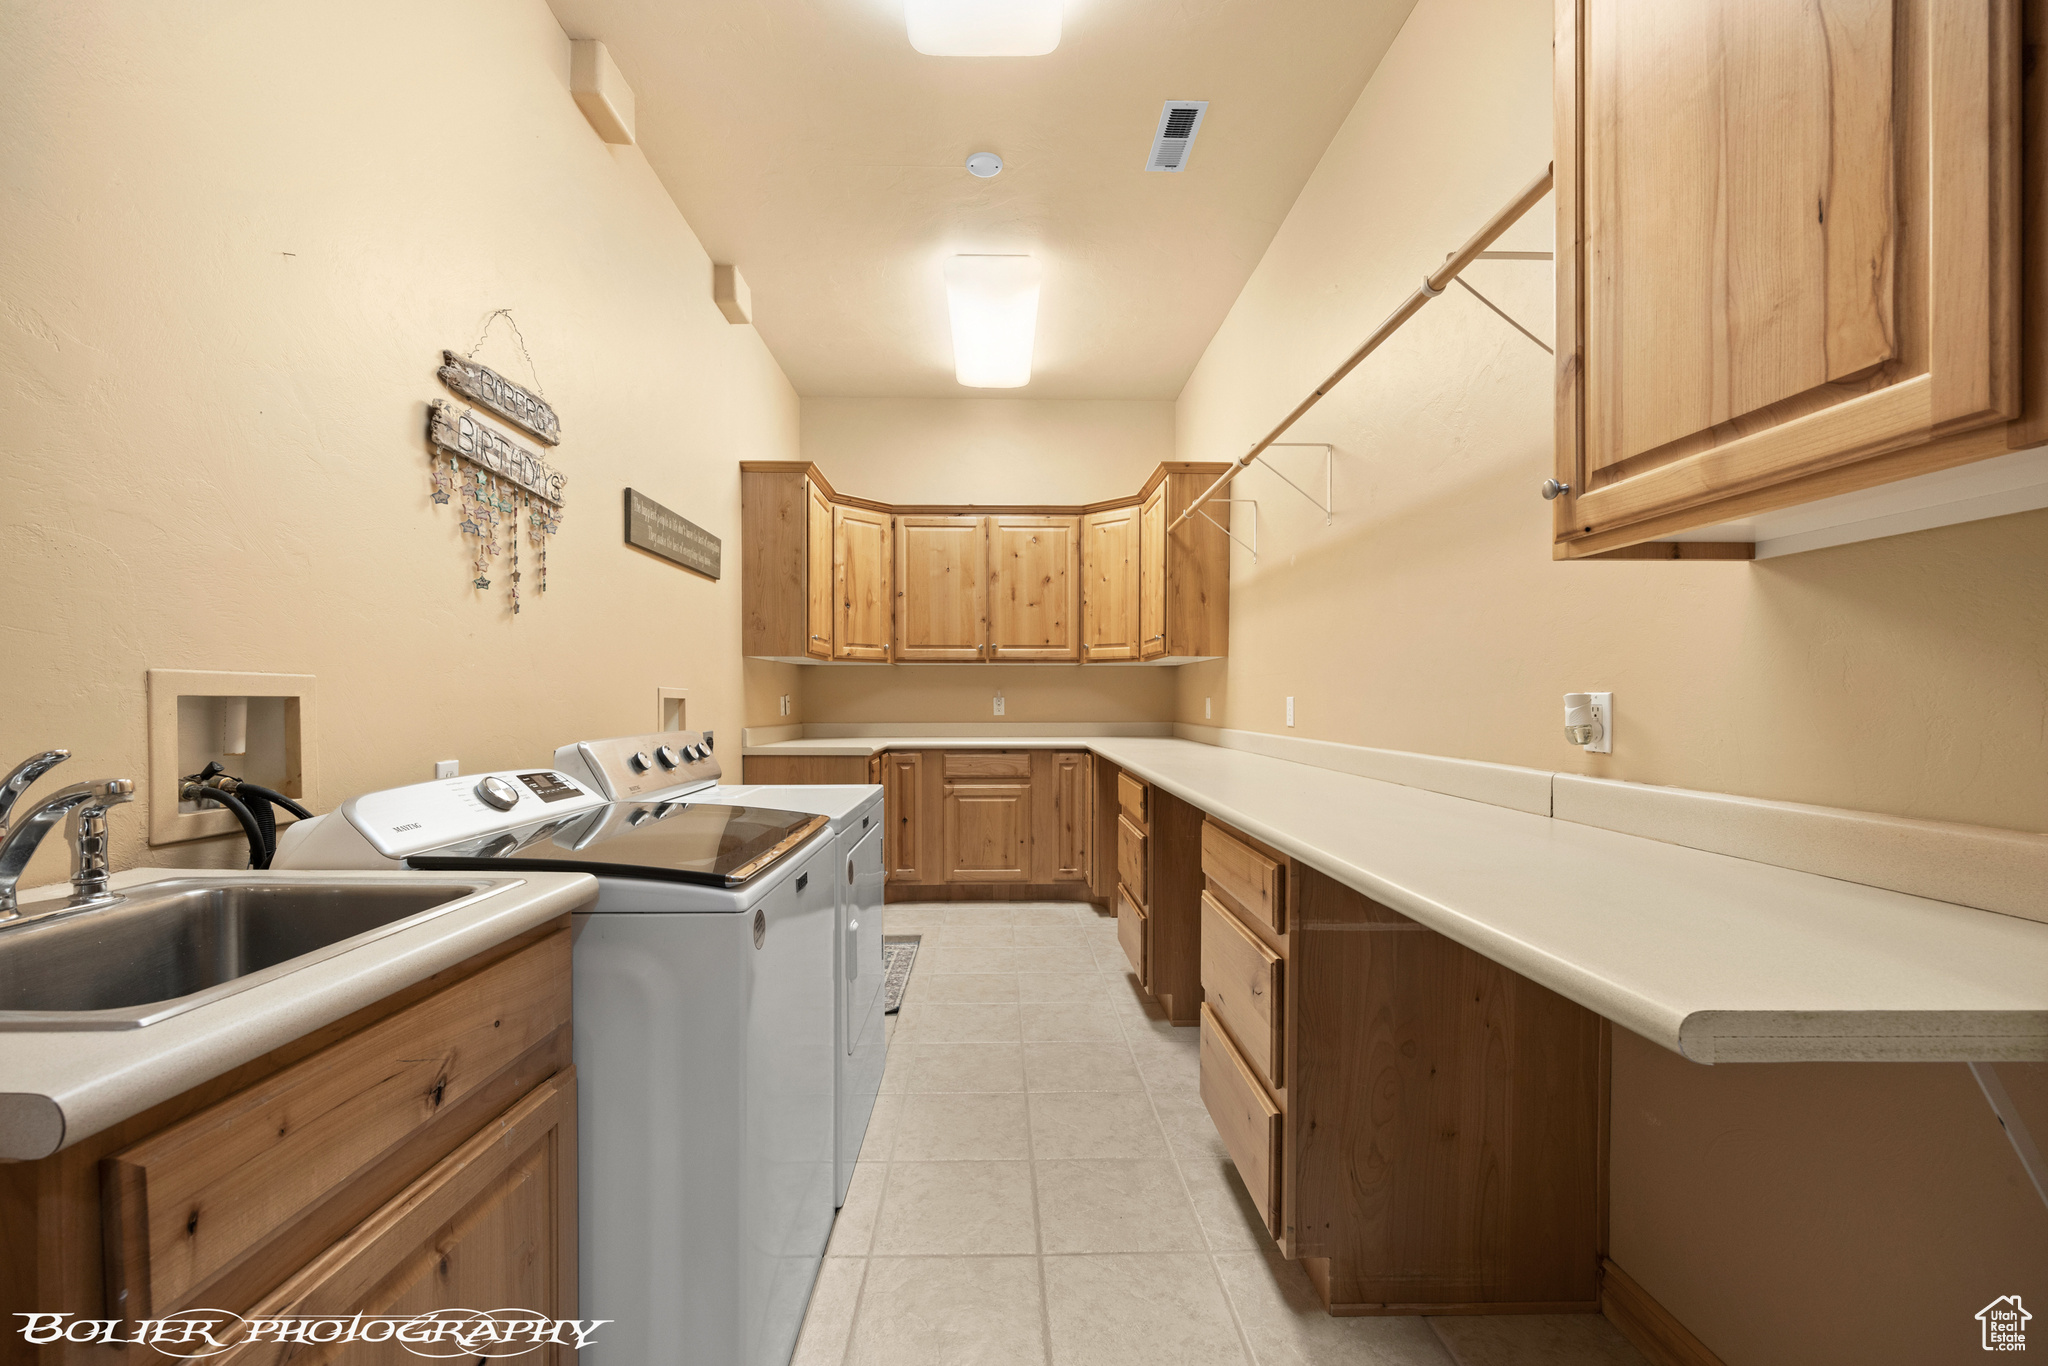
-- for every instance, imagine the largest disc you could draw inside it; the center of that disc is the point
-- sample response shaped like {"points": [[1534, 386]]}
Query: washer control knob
{"points": [[640, 762], [693, 753], [669, 758], [495, 791]]}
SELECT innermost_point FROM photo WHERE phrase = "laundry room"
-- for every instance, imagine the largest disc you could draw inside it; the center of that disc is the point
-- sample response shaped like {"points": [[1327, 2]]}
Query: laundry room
{"points": [[796, 682]]}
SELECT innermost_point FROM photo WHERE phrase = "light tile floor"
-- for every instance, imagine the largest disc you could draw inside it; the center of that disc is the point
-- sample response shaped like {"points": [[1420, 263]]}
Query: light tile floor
{"points": [[1041, 1185]]}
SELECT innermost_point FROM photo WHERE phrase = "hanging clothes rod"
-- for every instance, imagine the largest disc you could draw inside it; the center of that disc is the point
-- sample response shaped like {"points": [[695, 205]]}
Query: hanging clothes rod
{"points": [[1432, 285]]}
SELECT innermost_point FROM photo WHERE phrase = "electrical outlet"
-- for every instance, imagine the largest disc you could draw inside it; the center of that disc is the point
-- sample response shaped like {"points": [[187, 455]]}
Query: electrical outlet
{"points": [[1603, 712], [1206, 716], [447, 768], [1290, 711], [785, 704], [999, 704], [709, 740]]}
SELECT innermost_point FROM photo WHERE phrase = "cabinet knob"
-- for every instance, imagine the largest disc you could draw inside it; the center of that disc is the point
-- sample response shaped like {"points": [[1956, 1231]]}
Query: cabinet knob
{"points": [[1551, 488]]}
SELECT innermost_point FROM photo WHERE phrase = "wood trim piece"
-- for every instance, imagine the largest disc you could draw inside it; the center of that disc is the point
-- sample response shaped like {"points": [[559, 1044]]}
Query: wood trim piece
{"points": [[1680, 550], [1656, 1333]]}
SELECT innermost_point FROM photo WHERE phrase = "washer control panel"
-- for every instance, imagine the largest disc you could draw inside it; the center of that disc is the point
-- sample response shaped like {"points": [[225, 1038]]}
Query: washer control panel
{"points": [[627, 767], [411, 820]]}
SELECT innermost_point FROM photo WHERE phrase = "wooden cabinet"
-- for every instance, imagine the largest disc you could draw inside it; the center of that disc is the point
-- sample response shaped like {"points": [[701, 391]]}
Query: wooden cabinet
{"points": [[1034, 584], [1418, 1125], [1789, 242], [417, 1155], [942, 588], [818, 573], [861, 566], [1183, 571], [902, 802], [1152, 575], [987, 824], [988, 831], [1109, 584], [1073, 787], [1157, 877], [832, 579]]}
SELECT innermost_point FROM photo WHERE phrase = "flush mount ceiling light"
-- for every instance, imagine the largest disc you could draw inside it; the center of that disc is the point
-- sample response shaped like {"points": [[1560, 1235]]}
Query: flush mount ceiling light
{"points": [[993, 301], [983, 28], [983, 165]]}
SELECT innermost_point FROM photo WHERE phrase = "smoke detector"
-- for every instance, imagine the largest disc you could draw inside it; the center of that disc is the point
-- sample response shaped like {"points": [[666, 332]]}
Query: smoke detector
{"points": [[1179, 121], [983, 165]]}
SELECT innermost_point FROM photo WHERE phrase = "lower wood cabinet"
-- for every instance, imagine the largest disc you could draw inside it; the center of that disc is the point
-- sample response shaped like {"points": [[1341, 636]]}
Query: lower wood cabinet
{"points": [[418, 1155], [1418, 1125], [990, 824], [1158, 889]]}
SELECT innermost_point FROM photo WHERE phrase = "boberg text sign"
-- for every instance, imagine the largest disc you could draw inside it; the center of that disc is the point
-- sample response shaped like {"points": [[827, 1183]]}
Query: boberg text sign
{"points": [[659, 531]]}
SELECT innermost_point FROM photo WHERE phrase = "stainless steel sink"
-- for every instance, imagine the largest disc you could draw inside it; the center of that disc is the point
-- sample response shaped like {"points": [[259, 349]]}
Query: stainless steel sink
{"points": [[169, 946]]}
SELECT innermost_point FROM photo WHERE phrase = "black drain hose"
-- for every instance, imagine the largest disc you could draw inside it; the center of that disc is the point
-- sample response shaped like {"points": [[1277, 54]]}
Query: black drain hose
{"points": [[259, 848]]}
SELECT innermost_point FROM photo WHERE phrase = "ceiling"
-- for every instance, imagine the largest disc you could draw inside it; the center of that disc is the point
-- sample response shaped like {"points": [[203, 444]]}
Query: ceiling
{"points": [[807, 144]]}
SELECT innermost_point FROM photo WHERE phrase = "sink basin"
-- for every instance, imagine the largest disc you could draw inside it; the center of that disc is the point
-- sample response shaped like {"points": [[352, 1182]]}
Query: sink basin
{"points": [[167, 947]]}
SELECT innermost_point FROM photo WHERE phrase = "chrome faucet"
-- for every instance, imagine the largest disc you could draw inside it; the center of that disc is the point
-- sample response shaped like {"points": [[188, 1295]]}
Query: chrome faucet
{"points": [[86, 804]]}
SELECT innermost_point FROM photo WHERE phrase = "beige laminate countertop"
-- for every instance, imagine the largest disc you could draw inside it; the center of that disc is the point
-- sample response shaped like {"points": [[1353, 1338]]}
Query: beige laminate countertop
{"points": [[1719, 958], [59, 1086]]}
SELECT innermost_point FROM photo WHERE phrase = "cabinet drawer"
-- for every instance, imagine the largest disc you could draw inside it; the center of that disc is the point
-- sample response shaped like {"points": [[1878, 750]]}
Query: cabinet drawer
{"points": [[1130, 858], [1245, 1116], [197, 1199], [1131, 796], [1242, 981], [989, 764], [1245, 876], [1133, 931], [493, 1223]]}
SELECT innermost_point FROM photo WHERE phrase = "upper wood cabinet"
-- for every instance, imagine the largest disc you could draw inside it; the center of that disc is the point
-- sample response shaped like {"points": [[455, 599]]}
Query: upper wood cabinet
{"points": [[861, 576], [832, 578], [941, 588], [818, 573], [1109, 584], [1788, 240], [1034, 581]]}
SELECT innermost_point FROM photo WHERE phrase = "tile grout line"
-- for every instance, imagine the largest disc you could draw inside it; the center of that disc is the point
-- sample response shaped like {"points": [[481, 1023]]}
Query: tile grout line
{"points": [[1037, 1217], [1244, 1342]]}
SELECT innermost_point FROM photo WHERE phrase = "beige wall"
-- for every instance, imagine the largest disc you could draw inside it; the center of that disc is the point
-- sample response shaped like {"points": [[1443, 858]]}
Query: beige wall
{"points": [[988, 451], [234, 241], [1907, 675]]}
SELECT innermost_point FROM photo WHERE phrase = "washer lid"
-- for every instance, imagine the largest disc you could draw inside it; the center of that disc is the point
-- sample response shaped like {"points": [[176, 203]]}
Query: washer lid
{"points": [[676, 841]]}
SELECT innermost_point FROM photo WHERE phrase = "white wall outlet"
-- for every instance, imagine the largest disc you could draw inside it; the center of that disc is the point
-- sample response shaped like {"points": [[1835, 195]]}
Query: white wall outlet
{"points": [[1290, 711], [447, 768], [999, 702], [1603, 712], [1206, 714], [785, 704]]}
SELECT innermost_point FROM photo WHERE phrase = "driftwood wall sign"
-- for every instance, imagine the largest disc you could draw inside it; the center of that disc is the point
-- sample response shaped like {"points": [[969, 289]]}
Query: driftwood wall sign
{"points": [[517, 405], [463, 434], [659, 531]]}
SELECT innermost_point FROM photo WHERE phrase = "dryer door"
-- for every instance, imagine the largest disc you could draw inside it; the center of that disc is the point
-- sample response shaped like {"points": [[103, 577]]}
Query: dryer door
{"points": [[862, 952]]}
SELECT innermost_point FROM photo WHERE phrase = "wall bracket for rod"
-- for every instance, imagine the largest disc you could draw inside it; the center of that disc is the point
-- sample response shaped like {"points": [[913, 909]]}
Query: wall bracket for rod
{"points": [[1328, 502], [1254, 546], [1498, 310]]}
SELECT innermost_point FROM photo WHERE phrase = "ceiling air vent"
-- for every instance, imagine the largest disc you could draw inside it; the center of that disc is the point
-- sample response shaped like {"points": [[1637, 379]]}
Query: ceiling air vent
{"points": [[1178, 124]]}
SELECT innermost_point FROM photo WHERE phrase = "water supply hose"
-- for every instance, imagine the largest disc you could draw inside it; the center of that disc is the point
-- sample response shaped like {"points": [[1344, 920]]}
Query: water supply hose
{"points": [[259, 851]]}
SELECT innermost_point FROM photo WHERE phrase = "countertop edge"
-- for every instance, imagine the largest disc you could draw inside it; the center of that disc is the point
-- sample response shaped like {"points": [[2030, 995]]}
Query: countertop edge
{"points": [[171, 1057]]}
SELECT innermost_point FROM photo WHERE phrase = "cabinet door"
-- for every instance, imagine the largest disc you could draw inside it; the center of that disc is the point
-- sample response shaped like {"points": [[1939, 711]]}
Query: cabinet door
{"points": [[988, 832], [491, 1225], [860, 565], [1152, 575], [903, 808], [1035, 588], [941, 587], [1109, 584], [818, 573], [1073, 813], [1788, 241]]}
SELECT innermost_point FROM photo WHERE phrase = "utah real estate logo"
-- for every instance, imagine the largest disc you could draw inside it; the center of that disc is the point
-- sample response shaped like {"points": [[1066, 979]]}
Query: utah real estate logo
{"points": [[2005, 1324]]}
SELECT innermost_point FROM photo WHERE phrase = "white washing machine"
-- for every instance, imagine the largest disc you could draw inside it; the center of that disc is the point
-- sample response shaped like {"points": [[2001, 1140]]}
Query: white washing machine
{"points": [[705, 1034], [855, 812]]}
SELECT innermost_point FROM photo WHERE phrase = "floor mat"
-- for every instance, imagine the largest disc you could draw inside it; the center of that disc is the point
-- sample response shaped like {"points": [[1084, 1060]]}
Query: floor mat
{"points": [[899, 951]]}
